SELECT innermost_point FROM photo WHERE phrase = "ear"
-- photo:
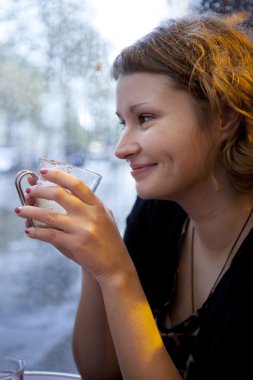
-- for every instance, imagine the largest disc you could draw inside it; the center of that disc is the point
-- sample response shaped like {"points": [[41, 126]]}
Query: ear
{"points": [[230, 121]]}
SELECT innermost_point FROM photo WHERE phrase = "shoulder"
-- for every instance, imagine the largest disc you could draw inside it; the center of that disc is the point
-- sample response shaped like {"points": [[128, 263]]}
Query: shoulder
{"points": [[152, 235], [154, 224]]}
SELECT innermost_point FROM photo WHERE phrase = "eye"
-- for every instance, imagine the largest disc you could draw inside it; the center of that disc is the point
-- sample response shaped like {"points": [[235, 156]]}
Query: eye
{"points": [[145, 118], [122, 123]]}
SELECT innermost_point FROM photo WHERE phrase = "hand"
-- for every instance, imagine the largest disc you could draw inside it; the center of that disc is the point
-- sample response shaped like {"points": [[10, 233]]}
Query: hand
{"points": [[29, 200], [87, 233]]}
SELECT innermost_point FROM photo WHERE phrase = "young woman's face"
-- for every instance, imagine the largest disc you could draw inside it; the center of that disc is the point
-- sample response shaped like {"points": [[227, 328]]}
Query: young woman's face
{"points": [[163, 138]]}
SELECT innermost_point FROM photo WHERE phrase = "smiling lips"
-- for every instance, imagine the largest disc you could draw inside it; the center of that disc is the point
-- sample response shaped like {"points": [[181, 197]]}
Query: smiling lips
{"points": [[138, 169]]}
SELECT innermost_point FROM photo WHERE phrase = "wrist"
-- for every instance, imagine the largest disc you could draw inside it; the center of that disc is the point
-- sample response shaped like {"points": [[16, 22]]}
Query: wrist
{"points": [[120, 280]]}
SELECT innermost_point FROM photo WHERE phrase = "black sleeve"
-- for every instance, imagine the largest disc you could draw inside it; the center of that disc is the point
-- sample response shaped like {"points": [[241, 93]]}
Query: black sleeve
{"points": [[153, 230]]}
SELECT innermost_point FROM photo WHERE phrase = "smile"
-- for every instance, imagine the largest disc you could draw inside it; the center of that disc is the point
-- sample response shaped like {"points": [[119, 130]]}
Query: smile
{"points": [[138, 170]]}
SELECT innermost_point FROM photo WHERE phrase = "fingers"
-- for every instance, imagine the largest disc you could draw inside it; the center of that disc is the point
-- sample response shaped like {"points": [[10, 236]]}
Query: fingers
{"points": [[50, 235], [58, 194], [58, 229], [72, 195], [32, 181], [52, 219], [29, 200], [71, 183]]}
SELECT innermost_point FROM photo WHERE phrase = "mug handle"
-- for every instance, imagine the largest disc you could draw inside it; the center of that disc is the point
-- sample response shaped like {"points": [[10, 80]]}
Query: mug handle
{"points": [[18, 183]]}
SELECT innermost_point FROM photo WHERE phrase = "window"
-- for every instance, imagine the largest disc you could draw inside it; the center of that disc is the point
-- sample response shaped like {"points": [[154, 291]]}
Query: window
{"points": [[56, 101]]}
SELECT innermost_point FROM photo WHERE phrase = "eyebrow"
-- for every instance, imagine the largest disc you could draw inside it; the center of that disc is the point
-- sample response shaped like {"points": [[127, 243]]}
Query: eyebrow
{"points": [[133, 107]]}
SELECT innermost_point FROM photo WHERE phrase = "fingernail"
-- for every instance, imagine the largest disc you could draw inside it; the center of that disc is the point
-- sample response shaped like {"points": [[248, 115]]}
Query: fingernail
{"points": [[27, 231], [17, 210], [43, 171], [28, 190]]}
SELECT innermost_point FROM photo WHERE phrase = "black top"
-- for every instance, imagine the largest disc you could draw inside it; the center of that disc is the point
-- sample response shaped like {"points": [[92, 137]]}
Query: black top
{"points": [[221, 348]]}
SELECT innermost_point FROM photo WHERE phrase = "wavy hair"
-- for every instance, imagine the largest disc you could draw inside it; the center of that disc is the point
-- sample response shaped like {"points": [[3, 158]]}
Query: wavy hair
{"points": [[212, 58]]}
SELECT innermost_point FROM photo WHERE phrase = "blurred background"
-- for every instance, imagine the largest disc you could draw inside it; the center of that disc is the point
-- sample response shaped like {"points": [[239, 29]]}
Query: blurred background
{"points": [[57, 101]]}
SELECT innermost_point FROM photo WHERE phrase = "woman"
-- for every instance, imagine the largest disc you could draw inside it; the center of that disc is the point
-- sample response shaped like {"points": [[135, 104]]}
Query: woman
{"points": [[176, 303]]}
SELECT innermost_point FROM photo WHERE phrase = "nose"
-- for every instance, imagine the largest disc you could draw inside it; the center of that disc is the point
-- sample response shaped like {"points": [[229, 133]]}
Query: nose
{"points": [[126, 146]]}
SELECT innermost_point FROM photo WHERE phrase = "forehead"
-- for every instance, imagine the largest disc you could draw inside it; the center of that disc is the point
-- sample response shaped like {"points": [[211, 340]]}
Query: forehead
{"points": [[159, 92], [144, 80], [141, 87]]}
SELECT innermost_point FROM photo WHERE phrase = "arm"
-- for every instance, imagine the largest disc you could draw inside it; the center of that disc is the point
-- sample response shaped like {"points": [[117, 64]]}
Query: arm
{"points": [[137, 341], [131, 322], [92, 343], [88, 234]]}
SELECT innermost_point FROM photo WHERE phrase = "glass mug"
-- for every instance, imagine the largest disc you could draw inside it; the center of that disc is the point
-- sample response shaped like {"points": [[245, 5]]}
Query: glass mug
{"points": [[11, 368], [90, 178]]}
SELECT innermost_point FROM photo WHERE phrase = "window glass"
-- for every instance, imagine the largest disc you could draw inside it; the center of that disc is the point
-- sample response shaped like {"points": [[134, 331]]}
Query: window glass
{"points": [[56, 101]]}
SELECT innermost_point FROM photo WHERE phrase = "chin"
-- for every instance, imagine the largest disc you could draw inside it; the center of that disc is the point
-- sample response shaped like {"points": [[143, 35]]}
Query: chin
{"points": [[148, 194], [154, 193]]}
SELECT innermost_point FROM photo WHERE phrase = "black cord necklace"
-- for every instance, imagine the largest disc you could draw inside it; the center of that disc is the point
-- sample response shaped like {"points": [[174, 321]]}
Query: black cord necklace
{"points": [[224, 265]]}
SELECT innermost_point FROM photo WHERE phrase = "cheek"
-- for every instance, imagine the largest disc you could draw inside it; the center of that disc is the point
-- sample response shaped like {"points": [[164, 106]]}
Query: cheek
{"points": [[174, 146], [192, 156], [208, 149]]}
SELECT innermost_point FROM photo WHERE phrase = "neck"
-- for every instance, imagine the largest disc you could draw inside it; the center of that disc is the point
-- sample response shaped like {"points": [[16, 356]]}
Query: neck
{"points": [[217, 220]]}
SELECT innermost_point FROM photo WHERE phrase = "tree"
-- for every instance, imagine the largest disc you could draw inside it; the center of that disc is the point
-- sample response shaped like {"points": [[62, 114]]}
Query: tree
{"points": [[55, 51], [228, 7]]}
